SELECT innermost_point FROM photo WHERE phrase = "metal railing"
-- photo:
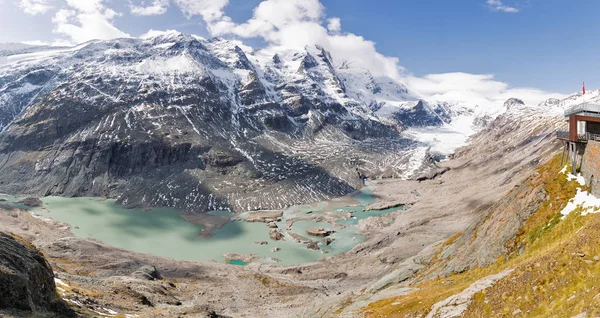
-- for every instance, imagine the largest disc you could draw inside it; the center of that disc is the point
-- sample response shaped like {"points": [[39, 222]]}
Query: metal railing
{"points": [[562, 135], [580, 137], [594, 137]]}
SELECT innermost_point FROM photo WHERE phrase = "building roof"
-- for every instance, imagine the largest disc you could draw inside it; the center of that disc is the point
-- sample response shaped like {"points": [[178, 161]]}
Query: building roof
{"points": [[587, 109]]}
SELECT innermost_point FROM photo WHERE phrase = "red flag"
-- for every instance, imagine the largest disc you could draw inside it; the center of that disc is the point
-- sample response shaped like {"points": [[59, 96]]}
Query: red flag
{"points": [[583, 88]]}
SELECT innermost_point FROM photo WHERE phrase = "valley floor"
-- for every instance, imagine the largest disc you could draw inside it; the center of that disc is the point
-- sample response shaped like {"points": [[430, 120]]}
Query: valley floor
{"points": [[403, 248], [101, 277]]}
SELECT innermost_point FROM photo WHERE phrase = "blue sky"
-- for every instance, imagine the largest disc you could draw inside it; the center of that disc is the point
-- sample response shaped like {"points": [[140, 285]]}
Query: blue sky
{"points": [[547, 44]]}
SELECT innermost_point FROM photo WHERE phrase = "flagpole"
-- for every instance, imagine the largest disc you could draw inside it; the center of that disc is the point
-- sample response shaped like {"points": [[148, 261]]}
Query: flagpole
{"points": [[583, 95]]}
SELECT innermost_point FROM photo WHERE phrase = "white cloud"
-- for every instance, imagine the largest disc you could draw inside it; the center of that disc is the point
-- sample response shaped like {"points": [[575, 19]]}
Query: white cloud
{"points": [[35, 7], [86, 20], [88, 6], [498, 5], [63, 16], [269, 18], [476, 89], [334, 25], [157, 7], [210, 10], [297, 23]]}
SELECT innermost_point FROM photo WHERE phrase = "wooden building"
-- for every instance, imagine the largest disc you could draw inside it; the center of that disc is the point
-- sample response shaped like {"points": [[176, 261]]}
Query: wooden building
{"points": [[584, 127]]}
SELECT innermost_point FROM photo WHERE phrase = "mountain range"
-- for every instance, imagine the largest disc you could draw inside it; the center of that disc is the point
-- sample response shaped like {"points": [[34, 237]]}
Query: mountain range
{"points": [[174, 120]]}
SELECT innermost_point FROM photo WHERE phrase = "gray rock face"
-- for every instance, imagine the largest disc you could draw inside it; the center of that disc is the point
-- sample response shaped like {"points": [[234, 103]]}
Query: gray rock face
{"points": [[456, 305], [26, 279], [419, 115], [485, 240], [198, 125], [147, 272]]}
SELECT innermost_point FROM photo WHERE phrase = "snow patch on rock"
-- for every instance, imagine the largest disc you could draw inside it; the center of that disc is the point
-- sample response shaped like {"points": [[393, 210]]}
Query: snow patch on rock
{"points": [[579, 178], [583, 199]]}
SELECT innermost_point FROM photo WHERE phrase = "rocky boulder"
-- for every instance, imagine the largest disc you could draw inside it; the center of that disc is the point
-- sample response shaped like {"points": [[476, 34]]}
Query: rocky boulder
{"points": [[147, 272], [320, 232], [313, 246], [275, 235], [26, 279], [264, 217], [32, 202]]}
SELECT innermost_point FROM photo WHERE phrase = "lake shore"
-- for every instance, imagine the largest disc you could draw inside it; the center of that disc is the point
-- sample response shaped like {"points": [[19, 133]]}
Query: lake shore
{"points": [[85, 262], [269, 237]]}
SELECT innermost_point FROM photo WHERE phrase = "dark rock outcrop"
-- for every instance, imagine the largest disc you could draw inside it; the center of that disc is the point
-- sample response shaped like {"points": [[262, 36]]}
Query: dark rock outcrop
{"points": [[26, 279], [513, 103], [422, 114], [313, 246], [147, 272], [275, 235]]}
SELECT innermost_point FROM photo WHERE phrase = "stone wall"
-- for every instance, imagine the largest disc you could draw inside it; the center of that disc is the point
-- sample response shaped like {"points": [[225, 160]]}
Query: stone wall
{"points": [[591, 166]]}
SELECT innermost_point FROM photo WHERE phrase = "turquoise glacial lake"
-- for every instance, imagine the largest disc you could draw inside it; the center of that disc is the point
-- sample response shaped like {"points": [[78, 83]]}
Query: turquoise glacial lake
{"points": [[163, 232]]}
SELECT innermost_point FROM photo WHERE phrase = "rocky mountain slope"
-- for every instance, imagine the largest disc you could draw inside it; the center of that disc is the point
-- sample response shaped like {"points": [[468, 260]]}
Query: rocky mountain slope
{"points": [[520, 255], [179, 121], [27, 281]]}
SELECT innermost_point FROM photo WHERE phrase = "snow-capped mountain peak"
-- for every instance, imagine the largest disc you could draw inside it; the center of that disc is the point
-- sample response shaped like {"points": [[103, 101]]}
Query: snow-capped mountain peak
{"points": [[176, 120]]}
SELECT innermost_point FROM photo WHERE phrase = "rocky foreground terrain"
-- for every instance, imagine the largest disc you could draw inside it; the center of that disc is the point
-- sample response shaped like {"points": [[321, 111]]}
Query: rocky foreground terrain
{"points": [[459, 221], [26, 279]]}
